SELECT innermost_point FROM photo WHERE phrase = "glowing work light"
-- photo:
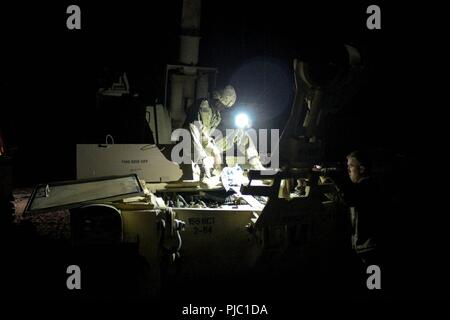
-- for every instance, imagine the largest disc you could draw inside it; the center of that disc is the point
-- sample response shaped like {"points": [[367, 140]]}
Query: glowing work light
{"points": [[242, 121]]}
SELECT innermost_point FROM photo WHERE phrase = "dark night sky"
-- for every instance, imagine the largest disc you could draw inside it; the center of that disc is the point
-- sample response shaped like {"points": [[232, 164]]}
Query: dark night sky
{"points": [[50, 73]]}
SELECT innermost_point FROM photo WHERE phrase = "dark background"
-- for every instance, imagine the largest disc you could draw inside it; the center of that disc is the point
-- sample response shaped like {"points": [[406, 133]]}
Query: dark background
{"points": [[50, 75]]}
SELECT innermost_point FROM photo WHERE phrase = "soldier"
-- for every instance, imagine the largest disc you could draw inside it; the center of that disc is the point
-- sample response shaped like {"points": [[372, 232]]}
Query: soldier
{"points": [[208, 150], [364, 200]]}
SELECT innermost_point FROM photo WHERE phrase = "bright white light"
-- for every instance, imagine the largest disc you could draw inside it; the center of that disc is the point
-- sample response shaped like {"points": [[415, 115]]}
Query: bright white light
{"points": [[242, 121]]}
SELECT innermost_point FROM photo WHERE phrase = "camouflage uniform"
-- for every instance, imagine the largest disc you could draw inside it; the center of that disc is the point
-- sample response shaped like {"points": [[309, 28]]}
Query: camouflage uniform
{"points": [[208, 150]]}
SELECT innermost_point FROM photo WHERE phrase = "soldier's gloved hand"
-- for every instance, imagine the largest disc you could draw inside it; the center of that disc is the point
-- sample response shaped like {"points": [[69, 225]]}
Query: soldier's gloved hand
{"points": [[208, 165]]}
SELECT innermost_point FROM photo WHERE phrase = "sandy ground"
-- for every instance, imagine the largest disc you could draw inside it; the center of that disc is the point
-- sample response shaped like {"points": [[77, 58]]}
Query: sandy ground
{"points": [[51, 225]]}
